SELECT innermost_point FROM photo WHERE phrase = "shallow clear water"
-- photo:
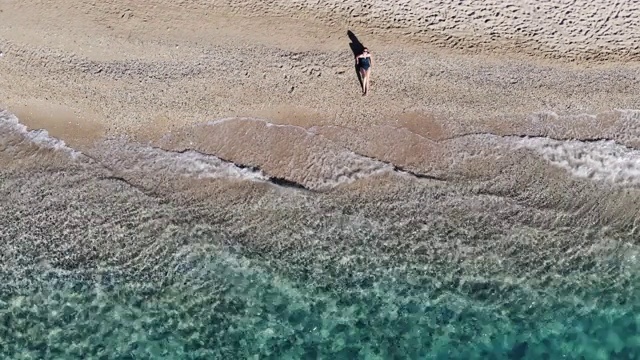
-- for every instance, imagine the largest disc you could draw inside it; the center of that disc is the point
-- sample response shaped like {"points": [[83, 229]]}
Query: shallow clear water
{"points": [[235, 308], [136, 253]]}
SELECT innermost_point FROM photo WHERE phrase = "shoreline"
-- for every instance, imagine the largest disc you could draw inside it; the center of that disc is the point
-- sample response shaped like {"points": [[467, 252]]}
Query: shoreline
{"points": [[143, 74]]}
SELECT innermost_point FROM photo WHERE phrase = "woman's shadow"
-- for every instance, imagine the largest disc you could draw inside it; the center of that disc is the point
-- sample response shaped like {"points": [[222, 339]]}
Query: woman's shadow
{"points": [[357, 48]]}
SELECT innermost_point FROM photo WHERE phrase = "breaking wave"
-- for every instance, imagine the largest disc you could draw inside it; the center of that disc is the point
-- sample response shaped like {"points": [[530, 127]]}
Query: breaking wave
{"points": [[603, 160], [12, 132]]}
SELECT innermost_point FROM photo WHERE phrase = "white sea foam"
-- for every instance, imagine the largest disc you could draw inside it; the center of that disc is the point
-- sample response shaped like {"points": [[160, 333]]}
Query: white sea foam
{"points": [[199, 165], [220, 121], [128, 157], [10, 125], [267, 123], [317, 162], [598, 160], [348, 169]]}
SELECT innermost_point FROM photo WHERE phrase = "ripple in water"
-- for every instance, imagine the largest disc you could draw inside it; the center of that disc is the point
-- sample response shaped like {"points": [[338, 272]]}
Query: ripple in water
{"points": [[96, 263]]}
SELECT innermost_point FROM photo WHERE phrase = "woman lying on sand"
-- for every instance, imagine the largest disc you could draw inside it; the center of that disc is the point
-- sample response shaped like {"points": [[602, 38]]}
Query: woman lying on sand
{"points": [[364, 63]]}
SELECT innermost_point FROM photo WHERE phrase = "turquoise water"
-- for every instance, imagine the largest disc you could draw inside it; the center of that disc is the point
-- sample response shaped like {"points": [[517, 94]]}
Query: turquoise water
{"points": [[231, 307]]}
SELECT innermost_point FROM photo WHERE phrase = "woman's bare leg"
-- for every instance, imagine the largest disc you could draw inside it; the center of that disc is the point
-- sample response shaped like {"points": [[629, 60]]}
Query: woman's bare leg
{"points": [[363, 77], [365, 82]]}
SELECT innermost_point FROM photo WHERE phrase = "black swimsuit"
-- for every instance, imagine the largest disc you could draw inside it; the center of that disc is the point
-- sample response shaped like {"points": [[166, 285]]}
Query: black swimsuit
{"points": [[364, 63]]}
